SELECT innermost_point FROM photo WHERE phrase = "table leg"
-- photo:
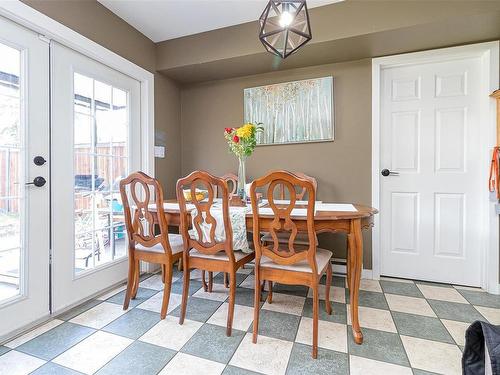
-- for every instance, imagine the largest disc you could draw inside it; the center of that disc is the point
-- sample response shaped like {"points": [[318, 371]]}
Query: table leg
{"points": [[356, 259]]}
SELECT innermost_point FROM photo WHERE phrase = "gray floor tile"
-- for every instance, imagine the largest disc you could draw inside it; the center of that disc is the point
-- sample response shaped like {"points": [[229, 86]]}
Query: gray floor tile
{"points": [[245, 297], [219, 278], [433, 284], [278, 325], [339, 281], [404, 289], [142, 295], [370, 299], [422, 372], [481, 298], [140, 358], [422, 327], [379, 345], [233, 370], [3, 349], [210, 342], [68, 315], [296, 290], [52, 343], [134, 323], [339, 311], [198, 309], [328, 361], [455, 311], [52, 369], [194, 286]]}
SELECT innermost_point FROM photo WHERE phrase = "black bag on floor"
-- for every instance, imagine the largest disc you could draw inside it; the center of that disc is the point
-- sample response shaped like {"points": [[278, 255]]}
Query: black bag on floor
{"points": [[477, 336]]}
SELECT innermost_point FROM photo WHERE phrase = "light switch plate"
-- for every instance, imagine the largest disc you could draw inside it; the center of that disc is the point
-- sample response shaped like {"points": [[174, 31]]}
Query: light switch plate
{"points": [[159, 151]]}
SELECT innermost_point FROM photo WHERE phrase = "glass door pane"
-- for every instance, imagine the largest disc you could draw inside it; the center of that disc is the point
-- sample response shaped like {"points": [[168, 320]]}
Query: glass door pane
{"points": [[100, 161], [11, 202]]}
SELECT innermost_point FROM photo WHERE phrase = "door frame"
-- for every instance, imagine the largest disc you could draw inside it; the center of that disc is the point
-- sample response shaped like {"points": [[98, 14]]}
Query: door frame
{"points": [[489, 54], [26, 16]]}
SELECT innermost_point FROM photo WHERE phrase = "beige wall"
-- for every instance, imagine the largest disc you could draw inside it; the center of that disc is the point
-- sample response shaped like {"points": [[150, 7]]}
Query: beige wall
{"points": [[97, 23], [342, 167]]}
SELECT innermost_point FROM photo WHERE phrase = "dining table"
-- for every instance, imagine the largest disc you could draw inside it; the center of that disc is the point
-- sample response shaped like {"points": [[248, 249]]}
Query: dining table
{"points": [[347, 218]]}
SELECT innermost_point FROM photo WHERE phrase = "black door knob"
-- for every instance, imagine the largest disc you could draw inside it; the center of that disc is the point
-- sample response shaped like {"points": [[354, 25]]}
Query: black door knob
{"points": [[386, 172], [38, 181]]}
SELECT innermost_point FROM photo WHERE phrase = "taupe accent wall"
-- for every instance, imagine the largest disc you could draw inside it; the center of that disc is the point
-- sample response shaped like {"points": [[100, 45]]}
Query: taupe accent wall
{"points": [[342, 167], [96, 22]]}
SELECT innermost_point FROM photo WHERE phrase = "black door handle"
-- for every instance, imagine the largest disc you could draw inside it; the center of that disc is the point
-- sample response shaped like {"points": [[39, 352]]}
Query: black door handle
{"points": [[385, 172], [38, 181]]}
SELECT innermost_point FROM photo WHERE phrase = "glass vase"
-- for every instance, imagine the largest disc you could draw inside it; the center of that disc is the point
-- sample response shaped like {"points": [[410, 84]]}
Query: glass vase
{"points": [[241, 178]]}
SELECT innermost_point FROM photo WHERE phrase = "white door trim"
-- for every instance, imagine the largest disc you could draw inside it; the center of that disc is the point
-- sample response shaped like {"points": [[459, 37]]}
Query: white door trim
{"points": [[26, 16], [489, 54]]}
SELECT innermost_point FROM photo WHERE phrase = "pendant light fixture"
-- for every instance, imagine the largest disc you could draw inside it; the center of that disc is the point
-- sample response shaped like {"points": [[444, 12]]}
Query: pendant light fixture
{"points": [[285, 26]]}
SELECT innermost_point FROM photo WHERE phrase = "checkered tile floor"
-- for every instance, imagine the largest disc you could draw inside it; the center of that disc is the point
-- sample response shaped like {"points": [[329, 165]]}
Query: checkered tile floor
{"points": [[409, 328]]}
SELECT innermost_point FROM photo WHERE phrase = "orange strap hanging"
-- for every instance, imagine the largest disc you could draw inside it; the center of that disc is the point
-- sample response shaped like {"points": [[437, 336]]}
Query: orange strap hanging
{"points": [[494, 183]]}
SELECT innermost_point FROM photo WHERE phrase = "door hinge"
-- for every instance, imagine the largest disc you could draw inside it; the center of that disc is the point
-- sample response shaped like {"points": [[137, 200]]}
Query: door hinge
{"points": [[43, 38]]}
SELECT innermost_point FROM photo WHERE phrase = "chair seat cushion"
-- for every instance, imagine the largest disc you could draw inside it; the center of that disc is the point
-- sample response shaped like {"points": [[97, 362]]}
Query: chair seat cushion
{"points": [[300, 239], [221, 255], [176, 244], [323, 256]]}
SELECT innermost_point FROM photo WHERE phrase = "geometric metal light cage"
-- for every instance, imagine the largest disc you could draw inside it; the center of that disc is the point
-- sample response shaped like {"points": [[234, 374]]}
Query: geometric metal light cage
{"points": [[285, 26]]}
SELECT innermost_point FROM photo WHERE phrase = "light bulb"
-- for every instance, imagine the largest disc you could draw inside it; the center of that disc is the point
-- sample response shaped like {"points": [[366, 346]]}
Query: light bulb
{"points": [[286, 19]]}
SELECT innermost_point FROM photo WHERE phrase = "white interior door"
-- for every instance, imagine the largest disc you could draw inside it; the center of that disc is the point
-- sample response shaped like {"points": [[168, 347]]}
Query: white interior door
{"points": [[430, 203], [96, 141], [24, 209]]}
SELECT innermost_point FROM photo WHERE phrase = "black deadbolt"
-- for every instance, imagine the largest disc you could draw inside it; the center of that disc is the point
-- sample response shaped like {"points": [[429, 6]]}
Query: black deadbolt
{"points": [[39, 160], [385, 172]]}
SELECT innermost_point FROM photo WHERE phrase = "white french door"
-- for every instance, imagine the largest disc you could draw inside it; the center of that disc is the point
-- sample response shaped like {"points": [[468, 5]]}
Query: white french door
{"points": [[431, 188], [96, 141], [24, 208]]}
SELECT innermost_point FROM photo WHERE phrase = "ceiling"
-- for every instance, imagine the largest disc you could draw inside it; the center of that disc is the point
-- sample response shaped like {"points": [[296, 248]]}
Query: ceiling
{"points": [[162, 20]]}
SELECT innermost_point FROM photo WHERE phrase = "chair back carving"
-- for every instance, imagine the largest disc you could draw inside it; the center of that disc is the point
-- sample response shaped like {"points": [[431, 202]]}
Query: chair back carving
{"points": [[301, 192], [290, 252], [203, 215], [140, 221], [232, 184]]}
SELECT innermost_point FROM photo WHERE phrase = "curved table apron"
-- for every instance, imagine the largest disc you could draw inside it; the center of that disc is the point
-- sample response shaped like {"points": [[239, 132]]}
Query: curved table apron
{"points": [[351, 223]]}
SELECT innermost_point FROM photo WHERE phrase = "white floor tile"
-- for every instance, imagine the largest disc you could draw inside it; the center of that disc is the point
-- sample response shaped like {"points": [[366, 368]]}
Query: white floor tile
{"points": [[111, 293], [365, 366], [337, 294], [370, 285], [373, 318], [242, 319], [16, 363], [95, 351], [154, 303], [246, 271], [442, 294], [34, 333], [249, 283], [490, 313], [219, 293], [154, 282], [456, 329], [100, 315], [433, 356], [286, 303], [411, 305], [269, 356], [170, 334], [185, 364], [331, 335]]}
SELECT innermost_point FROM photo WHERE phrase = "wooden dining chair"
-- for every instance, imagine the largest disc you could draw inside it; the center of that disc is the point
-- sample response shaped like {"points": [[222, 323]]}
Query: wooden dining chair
{"points": [[143, 244], [201, 248], [289, 263]]}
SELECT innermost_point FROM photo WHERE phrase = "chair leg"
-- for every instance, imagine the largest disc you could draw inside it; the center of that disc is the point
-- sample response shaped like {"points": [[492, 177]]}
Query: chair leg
{"points": [[226, 284], [166, 290], [315, 321], [328, 305], [232, 294], [185, 291], [179, 265], [262, 290], [163, 273], [136, 280], [348, 268], [270, 294], [210, 281], [256, 305], [130, 281], [203, 281]]}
